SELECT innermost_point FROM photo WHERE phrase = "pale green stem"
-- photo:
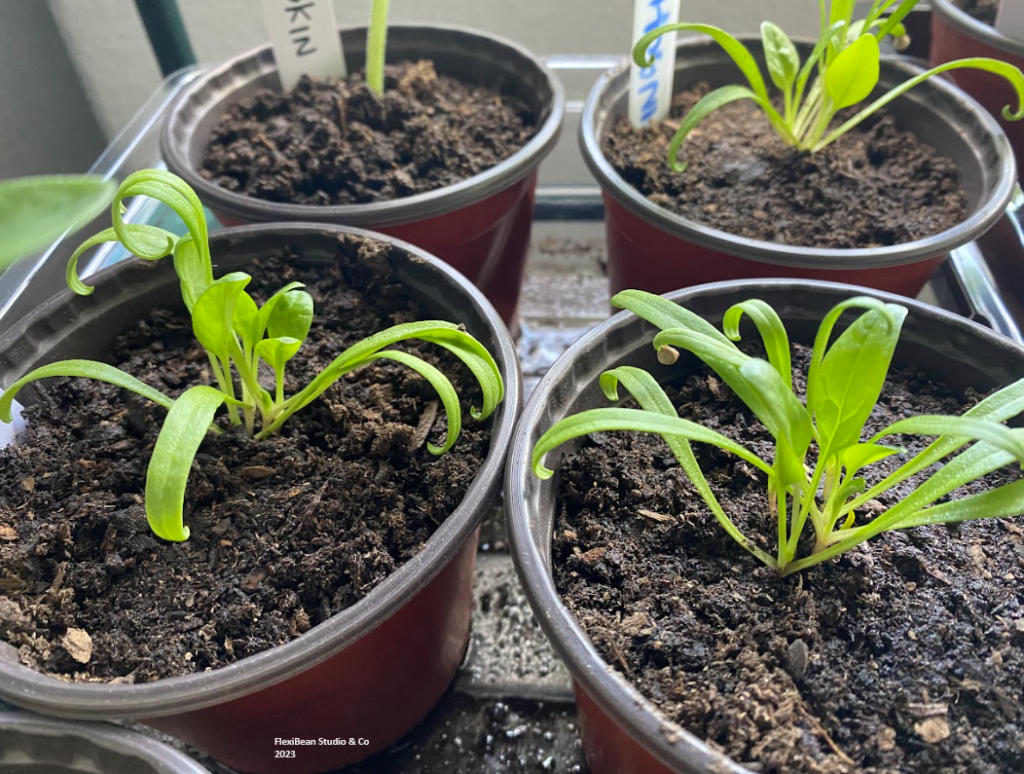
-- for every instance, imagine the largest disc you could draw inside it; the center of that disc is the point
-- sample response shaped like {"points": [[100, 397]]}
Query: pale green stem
{"points": [[376, 44], [225, 386]]}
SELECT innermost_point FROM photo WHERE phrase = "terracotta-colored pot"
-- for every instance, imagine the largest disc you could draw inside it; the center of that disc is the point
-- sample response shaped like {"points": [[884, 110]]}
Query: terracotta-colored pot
{"points": [[624, 732], [650, 248], [369, 673], [481, 226], [957, 35]]}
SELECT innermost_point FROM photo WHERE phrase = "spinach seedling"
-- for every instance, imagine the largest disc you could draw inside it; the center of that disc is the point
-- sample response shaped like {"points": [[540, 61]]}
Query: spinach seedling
{"points": [[376, 44], [35, 211], [844, 382], [237, 335], [844, 64]]}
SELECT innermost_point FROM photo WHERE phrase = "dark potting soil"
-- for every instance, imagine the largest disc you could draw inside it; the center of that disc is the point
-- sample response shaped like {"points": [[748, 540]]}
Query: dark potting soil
{"points": [[285, 532], [335, 142], [982, 10], [874, 187], [904, 655]]}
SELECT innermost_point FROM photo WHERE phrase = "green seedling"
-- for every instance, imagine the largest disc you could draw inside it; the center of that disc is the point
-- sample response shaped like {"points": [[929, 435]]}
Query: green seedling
{"points": [[36, 211], [237, 335], [844, 382], [844, 64], [376, 45]]}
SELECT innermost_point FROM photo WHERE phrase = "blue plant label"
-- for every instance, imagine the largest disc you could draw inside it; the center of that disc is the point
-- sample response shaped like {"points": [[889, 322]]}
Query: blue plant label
{"points": [[305, 39], [650, 88]]}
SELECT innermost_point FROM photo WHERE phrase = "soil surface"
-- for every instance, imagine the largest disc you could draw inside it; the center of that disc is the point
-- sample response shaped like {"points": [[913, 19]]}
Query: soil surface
{"points": [[335, 142], [904, 655], [876, 186], [982, 10], [285, 532]]}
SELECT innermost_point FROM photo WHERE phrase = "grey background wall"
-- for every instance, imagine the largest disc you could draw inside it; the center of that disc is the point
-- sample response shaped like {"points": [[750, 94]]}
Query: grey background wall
{"points": [[107, 43], [46, 124]]}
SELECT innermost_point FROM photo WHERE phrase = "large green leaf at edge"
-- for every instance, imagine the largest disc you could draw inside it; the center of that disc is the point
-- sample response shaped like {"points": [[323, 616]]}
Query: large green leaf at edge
{"points": [[35, 211]]}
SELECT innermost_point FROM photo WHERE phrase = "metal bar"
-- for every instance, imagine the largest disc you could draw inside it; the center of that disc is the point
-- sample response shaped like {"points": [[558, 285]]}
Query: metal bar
{"points": [[167, 35]]}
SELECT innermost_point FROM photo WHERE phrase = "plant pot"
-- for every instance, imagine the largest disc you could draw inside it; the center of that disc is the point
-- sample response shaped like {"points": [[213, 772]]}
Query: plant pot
{"points": [[29, 743], [652, 249], [958, 35], [480, 226], [370, 672], [622, 730]]}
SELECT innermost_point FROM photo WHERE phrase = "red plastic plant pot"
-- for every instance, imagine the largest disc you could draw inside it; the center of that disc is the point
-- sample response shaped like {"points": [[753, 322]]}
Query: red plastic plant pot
{"points": [[623, 732], [650, 248], [481, 225], [368, 674], [958, 35]]}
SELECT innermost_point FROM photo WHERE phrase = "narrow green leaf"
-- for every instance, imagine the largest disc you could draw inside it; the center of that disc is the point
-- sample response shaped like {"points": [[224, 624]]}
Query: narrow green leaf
{"points": [[445, 391], [1003, 502], [155, 240], [609, 419], [828, 38], [993, 433], [781, 56], [1000, 406], [707, 105], [88, 369], [846, 383], [36, 211], [444, 334], [773, 334], [895, 18], [1007, 71], [853, 75], [213, 314], [648, 393], [793, 430], [736, 51], [291, 316], [664, 314], [187, 423]]}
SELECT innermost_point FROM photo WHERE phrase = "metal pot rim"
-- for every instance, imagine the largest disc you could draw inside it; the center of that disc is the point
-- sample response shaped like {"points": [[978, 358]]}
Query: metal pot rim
{"points": [[177, 133], [171, 696], [987, 214]]}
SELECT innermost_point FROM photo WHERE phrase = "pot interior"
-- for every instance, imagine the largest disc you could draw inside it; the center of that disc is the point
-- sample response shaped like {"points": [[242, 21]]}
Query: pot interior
{"points": [[938, 114], [960, 353], [470, 58], [86, 327]]}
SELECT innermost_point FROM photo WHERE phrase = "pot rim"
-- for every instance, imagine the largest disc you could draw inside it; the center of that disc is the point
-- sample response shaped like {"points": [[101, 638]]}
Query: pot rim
{"points": [[175, 695], [963, 22], [393, 212], [989, 211], [676, 747], [162, 757]]}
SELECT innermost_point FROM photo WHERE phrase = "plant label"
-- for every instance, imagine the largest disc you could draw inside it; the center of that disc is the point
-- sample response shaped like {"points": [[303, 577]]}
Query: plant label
{"points": [[305, 39], [1010, 19], [650, 88]]}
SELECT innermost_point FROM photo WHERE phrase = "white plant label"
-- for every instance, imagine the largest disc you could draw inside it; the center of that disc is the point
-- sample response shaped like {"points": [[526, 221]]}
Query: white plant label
{"points": [[650, 88], [1010, 19], [305, 39]]}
